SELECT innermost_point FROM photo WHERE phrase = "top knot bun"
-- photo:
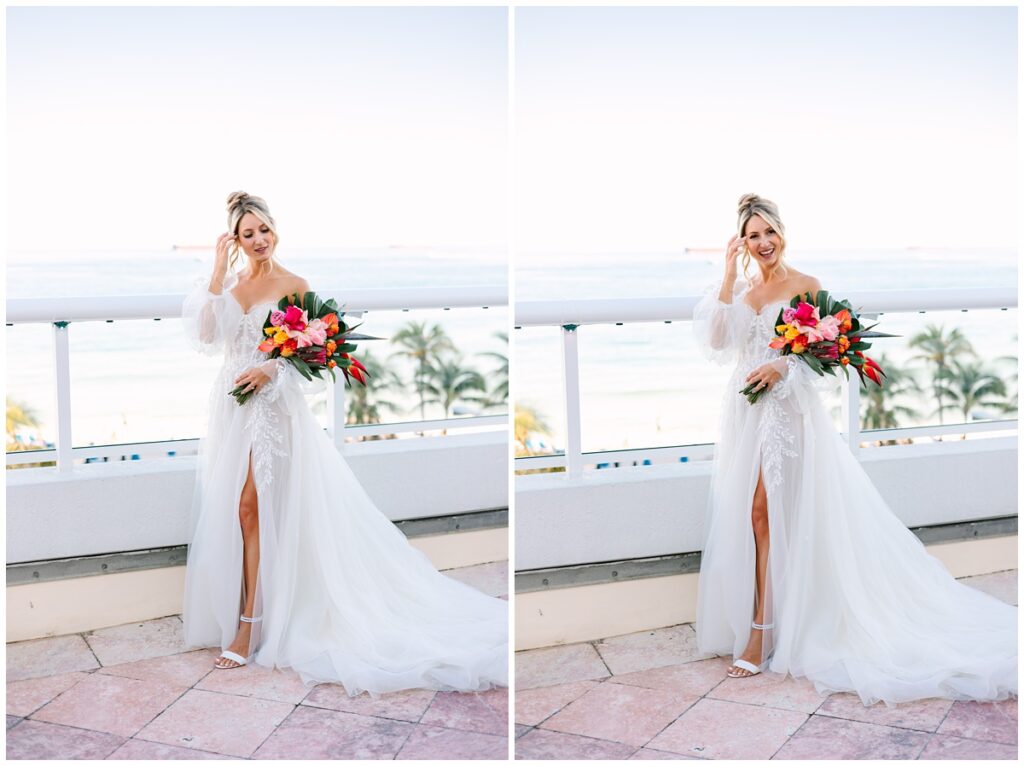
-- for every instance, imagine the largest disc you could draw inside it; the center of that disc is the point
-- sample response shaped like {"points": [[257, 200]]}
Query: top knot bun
{"points": [[236, 198], [747, 200]]}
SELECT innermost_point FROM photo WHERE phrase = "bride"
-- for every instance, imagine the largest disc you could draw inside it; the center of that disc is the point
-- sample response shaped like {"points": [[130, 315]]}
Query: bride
{"points": [[290, 563], [805, 570]]}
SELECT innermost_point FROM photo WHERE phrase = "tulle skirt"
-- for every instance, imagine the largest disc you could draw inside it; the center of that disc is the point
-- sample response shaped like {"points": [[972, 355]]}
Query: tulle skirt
{"points": [[343, 595], [856, 602]]}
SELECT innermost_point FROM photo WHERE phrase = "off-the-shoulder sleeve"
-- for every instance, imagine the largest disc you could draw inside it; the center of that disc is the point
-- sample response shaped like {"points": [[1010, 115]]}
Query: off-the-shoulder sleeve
{"points": [[207, 317], [719, 326]]}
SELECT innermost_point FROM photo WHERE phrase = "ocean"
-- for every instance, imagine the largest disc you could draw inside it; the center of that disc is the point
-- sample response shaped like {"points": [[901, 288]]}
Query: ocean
{"points": [[141, 381], [649, 385]]}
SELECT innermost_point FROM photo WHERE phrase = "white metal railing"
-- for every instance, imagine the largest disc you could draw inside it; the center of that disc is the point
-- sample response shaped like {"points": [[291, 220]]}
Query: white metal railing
{"points": [[571, 315], [62, 312]]}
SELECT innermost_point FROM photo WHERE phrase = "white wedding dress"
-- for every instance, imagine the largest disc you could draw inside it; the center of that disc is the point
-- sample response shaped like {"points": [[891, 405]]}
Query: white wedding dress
{"points": [[856, 601], [343, 595]]}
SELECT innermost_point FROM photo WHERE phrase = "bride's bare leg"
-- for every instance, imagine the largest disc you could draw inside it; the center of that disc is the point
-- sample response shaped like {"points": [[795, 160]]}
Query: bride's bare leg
{"points": [[759, 520], [248, 518]]}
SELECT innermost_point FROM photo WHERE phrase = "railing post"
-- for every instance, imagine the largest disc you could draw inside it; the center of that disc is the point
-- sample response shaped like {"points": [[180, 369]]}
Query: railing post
{"points": [[571, 388], [851, 413], [336, 411], [62, 370]]}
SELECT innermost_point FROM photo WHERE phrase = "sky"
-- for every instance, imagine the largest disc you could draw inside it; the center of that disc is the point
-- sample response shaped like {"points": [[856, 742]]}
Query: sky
{"points": [[640, 128], [128, 127]]}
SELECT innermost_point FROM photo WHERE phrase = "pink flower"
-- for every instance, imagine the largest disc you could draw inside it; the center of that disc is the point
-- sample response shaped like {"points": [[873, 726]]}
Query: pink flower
{"points": [[317, 332], [826, 329], [301, 338], [788, 314], [277, 318], [295, 318]]}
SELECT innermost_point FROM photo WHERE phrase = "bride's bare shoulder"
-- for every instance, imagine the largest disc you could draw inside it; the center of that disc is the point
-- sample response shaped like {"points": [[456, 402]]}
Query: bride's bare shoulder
{"points": [[804, 283]]}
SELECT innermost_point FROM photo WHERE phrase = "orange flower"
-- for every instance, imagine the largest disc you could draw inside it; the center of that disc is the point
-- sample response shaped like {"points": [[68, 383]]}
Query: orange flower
{"points": [[331, 347], [330, 319], [844, 319], [285, 351], [799, 344], [778, 342], [844, 360], [844, 343], [331, 363], [267, 345]]}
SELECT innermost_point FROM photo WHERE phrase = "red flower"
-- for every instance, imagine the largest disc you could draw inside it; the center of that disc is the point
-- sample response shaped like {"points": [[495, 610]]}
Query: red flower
{"points": [[293, 319], [804, 315]]}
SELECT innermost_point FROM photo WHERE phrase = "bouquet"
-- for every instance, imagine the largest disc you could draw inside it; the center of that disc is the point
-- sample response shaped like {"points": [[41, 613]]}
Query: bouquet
{"points": [[311, 345], [827, 334]]}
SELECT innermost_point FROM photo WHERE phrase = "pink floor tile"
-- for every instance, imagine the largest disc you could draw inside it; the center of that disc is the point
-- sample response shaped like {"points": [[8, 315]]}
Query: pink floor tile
{"points": [[620, 713], [771, 690], [400, 706], [179, 669], [48, 657], [35, 740], [534, 705], [314, 733], [650, 649], [217, 723], [12, 719], [837, 739], [730, 730], [438, 744], [483, 712], [24, 697], [558, 665], [644, 754], [541, 745], [137, 641], [1002, 585], [110, 703], [256, 681], [947, 748], [922, 715], [987, 721], [140, 750], [491, 578], [520, 729], [697, 678]]}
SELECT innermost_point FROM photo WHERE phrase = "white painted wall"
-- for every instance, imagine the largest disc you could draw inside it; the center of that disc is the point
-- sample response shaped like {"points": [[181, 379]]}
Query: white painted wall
{"points": [[656, 510], [108, 507]]}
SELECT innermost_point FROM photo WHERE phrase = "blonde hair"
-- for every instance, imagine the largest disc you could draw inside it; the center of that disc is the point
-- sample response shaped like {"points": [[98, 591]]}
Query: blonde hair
{"points": [[751, 205], [240, 203]]}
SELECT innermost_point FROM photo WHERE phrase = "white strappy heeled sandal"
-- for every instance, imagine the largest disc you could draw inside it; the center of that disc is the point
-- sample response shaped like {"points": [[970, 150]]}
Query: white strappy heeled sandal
{"points": [[750, 666], [233, 656]]}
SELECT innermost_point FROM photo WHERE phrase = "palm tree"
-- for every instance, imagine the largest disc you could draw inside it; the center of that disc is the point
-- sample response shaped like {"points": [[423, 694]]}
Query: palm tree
{"points": [[498, 396], [970, 385], [449, 382], [19, 415], [529, 420], [879, 408], [1009, 407], [367, 404], [940, 349], [423, 345]]}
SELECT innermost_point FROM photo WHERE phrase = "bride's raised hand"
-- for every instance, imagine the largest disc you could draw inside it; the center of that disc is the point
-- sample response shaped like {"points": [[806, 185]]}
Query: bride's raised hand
{"points": [[224, 241], [732, 251]]}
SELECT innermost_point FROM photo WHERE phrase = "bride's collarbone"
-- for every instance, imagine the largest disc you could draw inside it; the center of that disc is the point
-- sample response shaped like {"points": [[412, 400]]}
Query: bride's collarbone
{"points": [[284, 286]]}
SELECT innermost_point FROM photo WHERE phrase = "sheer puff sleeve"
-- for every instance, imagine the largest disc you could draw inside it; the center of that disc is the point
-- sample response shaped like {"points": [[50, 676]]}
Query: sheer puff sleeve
{"points": [[799, 380], [207, 317], [717, 326]]}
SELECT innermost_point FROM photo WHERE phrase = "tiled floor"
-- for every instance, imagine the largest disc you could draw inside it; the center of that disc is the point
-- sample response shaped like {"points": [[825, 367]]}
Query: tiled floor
{"points": [[652, 695], [133, 692]]}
